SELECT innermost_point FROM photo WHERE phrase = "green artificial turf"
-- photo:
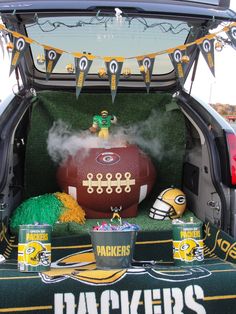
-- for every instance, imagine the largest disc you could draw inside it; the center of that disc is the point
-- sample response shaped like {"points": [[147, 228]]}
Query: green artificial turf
{"points": [[155, 117], [145, 223]]}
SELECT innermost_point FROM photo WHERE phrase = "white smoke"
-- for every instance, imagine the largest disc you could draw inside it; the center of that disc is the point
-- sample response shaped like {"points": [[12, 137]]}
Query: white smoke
{"points": [[62, 141], [144, 134]]}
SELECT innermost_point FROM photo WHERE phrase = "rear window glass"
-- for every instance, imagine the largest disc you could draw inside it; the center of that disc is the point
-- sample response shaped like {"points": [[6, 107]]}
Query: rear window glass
{"points": [[105, 36]]}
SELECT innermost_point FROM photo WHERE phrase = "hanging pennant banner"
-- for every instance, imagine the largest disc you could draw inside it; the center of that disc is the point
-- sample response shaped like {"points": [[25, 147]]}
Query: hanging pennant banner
{"points": [[83, 63], [146, 67], [232, 35], [176, 57], [20, 44], [206, 47], [114, 67], [52, 55]]}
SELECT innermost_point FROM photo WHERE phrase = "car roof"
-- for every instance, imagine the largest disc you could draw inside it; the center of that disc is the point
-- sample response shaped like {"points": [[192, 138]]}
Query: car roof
{"points": [[217, 8]]}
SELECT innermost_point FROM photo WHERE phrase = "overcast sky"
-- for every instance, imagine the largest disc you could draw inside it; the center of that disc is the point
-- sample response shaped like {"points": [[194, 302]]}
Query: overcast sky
{"points": [[222, 88]]}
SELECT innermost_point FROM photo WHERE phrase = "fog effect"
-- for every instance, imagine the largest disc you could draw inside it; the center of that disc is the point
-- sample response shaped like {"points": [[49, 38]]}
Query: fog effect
{"points": [[63, 141]]}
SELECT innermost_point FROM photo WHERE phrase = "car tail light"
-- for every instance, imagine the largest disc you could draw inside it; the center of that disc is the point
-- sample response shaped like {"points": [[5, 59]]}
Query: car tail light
{"points": [[231, 140]]}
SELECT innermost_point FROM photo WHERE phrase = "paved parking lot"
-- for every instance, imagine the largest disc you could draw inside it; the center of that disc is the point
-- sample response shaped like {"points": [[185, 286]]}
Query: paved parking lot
{"points": [[233, 124]]}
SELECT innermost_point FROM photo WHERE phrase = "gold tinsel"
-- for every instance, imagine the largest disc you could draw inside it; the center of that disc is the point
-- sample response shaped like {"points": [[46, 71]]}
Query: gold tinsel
{"points": [[73, 212]]}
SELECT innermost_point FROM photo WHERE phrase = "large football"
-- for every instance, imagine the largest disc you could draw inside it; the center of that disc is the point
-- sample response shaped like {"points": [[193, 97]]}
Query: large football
{"points": [[103, 179]]}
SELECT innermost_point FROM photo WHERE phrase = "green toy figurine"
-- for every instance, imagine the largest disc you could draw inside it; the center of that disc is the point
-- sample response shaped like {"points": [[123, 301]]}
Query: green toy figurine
{"points": [[102, 123]]}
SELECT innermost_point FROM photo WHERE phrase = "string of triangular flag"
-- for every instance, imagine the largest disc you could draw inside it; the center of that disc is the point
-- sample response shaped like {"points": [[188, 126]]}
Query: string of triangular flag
{"points": [[83, 61]]}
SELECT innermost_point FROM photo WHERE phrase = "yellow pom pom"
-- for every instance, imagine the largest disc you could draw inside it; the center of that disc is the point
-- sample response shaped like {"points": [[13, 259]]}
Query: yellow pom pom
{"points": [[73, 212]]}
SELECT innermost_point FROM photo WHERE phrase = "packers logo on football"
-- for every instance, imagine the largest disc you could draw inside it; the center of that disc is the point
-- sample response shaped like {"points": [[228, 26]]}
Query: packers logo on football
{"points": [[35, 254]]}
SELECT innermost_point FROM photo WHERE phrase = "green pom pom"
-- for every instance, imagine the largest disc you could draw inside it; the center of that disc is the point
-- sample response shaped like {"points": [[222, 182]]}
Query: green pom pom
{"points": [[43, 209]]}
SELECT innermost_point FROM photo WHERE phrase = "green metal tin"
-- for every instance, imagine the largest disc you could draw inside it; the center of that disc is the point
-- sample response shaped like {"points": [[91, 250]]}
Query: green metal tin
{"points": [[187, 242], [34, 248]]}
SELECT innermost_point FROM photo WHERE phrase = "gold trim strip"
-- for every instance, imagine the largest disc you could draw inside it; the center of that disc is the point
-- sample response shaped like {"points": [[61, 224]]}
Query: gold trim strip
{"points": [[71, 247], [30, 308], [90, 245], [220, 297], [17, 278]]}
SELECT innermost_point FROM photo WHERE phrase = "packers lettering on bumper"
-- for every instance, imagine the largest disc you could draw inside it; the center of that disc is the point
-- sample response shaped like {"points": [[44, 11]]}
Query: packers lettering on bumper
{"points": [[168, 300], [116, 250]]}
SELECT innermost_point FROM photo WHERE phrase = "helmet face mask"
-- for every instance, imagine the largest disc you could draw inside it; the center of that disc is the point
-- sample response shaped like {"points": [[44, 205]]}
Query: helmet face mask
{"points": [[104, 113], [161, 210], [170, 204]]}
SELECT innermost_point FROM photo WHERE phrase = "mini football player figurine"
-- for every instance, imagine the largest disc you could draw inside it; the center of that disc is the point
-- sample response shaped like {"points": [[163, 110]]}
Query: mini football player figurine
{"points": [[102, 123], [116, 214]]}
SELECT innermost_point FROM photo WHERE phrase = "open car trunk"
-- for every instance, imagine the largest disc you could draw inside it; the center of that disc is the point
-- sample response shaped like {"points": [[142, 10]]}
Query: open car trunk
{"points": [[165, 130], [46, 123], [56, 126]]}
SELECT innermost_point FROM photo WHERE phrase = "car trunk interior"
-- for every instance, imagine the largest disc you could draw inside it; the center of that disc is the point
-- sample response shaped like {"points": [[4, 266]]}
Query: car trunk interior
{"points": [[162, 127], [154, 122]]}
